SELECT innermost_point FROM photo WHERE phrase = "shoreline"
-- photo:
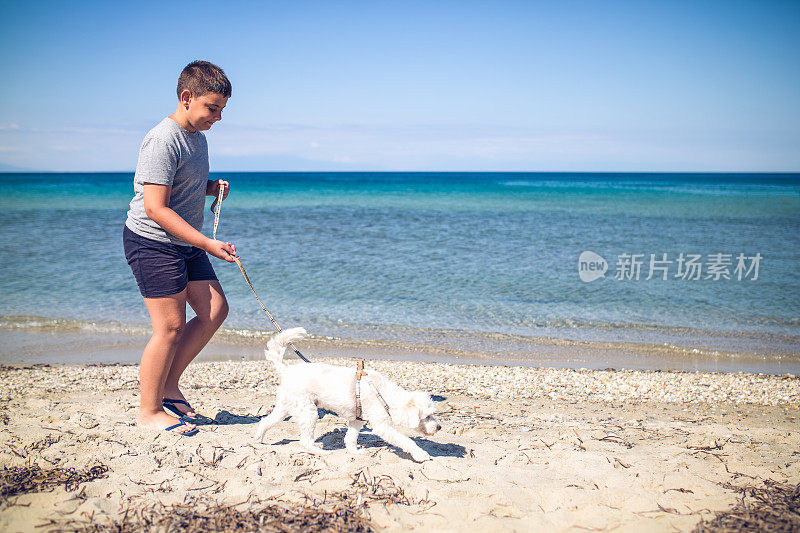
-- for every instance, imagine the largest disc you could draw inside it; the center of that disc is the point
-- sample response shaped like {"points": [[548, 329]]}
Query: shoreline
{"points": [[520, 449], [36, 340]]}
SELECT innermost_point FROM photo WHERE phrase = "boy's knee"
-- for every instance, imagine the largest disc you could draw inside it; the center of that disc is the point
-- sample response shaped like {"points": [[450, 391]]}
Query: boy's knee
{"points": [[216, 315], [221, 314], [171, 331]]}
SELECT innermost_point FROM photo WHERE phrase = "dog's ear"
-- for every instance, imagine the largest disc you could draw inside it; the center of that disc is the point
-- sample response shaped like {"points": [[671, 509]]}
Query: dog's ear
{"points": [[424, 400], [408, 415], [418, 407]]}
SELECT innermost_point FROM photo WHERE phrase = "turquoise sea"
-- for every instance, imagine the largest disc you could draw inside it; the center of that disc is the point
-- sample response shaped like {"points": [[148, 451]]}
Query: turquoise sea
{"points": [[409, 257]]}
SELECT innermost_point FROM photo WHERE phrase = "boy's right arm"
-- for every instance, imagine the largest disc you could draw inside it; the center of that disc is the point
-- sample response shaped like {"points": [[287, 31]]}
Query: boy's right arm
{"points": [[156, 206]]}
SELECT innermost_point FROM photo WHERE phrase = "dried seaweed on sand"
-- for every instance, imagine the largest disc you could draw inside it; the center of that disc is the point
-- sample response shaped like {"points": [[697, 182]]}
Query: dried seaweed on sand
{"points": [[773, 507], [272, 515], [21, 479], [345, 511]]}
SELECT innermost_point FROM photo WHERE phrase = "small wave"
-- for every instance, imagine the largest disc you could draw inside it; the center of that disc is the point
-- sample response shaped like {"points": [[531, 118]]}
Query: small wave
{"points": [[521, 183], [65, 325], [563, 336], [68, 325]]}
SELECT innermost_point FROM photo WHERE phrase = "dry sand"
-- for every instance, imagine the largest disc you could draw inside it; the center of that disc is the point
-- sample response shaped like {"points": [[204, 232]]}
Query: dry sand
{"points": [[521, 449]]}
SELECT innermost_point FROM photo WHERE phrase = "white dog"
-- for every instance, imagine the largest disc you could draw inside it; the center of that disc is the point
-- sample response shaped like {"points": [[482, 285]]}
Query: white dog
{"points": [[307, 386]]}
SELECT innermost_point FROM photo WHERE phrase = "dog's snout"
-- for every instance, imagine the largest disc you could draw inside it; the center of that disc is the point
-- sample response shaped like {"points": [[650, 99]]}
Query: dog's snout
{"points": [[438, 427]]}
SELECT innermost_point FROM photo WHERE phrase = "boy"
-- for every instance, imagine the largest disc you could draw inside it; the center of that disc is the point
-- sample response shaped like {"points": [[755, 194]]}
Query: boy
{"points": [[167, 252]]}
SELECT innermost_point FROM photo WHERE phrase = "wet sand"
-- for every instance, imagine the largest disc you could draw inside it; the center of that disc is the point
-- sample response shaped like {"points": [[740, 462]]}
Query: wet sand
{"points": [[81, 344]]}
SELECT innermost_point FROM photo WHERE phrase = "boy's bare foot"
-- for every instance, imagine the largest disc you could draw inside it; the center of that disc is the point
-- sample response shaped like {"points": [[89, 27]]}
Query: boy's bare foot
{"points": [[162, 420], [176, 395]]}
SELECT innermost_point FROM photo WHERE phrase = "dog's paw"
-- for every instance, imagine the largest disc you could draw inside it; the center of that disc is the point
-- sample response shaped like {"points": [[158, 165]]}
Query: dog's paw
{"points": [[421, 456], [317, 449]]}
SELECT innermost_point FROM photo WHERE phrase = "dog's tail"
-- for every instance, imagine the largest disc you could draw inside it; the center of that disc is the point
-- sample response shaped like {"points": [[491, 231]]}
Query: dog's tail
{"points": [[276, 346]]}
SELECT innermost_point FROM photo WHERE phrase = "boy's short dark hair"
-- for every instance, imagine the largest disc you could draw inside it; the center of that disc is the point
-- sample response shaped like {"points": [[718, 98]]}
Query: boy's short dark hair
{"points": [[202, 77]]}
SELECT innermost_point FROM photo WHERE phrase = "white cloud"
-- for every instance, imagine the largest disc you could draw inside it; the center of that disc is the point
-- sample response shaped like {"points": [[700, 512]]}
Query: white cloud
{"points": [[400, 147], [67, 147], [406, 147]]}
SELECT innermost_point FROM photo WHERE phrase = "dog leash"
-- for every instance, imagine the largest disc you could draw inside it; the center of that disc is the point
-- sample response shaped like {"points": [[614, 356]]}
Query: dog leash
{"points": [[361, 373], [216, 207]]}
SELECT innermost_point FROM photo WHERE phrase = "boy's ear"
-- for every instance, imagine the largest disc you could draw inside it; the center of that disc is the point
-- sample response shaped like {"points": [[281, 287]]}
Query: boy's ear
{"points": [[185, 98]]}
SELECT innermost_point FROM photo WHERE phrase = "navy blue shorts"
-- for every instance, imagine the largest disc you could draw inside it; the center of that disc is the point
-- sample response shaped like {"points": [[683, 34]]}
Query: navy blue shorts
{"points": [[163, 268]]}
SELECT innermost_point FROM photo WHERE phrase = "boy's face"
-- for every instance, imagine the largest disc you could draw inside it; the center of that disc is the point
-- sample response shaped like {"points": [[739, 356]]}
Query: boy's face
{"points": [[204, 110]]}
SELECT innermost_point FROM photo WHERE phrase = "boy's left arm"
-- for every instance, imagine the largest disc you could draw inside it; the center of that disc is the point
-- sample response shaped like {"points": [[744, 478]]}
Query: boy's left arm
{"points": [[212, 188]]}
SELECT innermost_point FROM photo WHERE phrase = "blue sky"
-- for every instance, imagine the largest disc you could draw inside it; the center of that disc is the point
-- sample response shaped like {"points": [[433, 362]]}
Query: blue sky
{"points": [[530, 86]]}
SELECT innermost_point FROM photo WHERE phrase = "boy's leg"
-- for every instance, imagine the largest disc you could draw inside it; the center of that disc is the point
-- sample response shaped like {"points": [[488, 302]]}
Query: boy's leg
{"points": [[208, 301], [168, 316]]}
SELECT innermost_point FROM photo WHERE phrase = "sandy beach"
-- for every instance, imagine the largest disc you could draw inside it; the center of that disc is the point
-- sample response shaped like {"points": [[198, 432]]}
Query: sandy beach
{"points": [[521, 449]]}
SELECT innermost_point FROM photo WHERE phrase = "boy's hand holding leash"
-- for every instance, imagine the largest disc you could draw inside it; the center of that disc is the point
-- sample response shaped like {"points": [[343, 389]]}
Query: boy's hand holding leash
{"points": [[221, 250], [213, 187]]}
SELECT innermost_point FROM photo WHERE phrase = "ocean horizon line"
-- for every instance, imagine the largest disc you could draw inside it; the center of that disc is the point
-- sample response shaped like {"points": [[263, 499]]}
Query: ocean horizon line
{"points": [[602, 172]]}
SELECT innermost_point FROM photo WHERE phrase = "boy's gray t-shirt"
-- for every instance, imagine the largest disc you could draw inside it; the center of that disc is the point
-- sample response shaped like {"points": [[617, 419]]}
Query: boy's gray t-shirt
{"points": [[170, 155]]}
